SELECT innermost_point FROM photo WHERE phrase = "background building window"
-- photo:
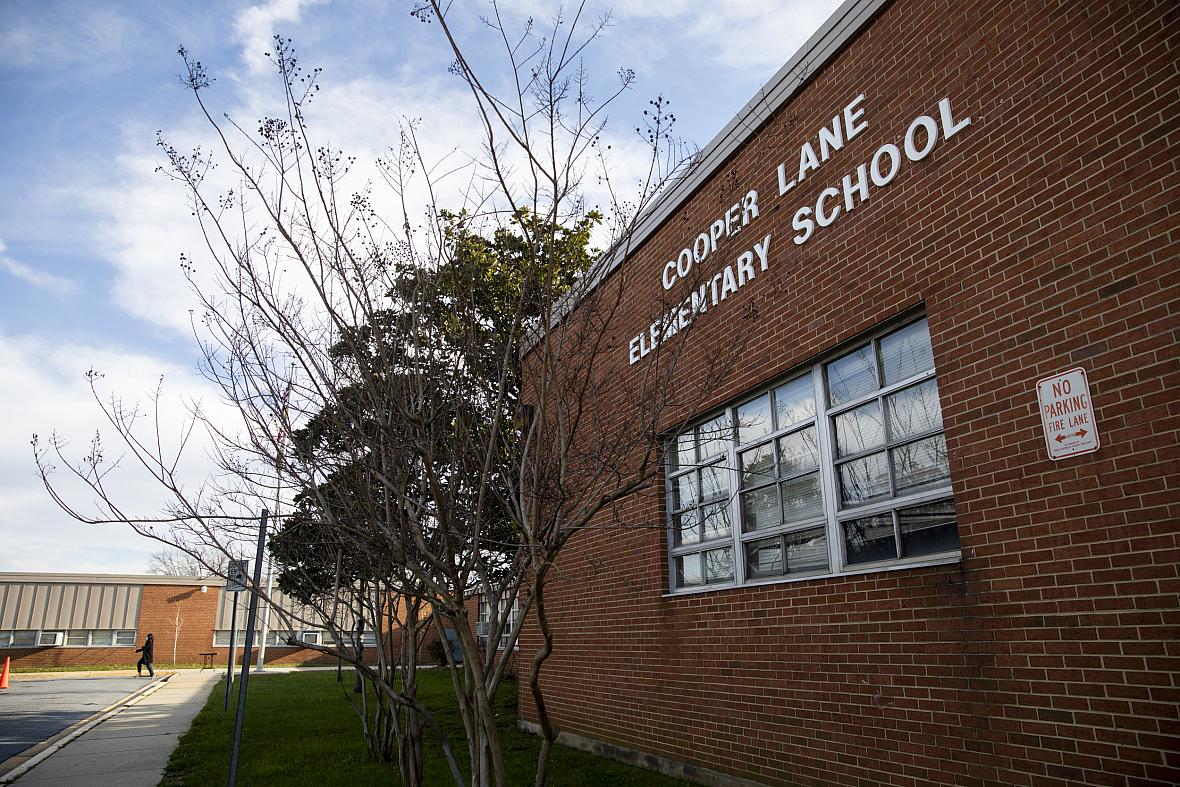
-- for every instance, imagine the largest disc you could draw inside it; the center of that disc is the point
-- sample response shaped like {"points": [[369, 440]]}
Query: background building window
{"points": [[838, 467], [484, 622], [78, 638]]}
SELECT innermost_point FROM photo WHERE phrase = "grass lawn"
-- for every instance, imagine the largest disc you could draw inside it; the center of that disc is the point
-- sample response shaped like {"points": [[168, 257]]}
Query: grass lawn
{"points": [[300, 729]]}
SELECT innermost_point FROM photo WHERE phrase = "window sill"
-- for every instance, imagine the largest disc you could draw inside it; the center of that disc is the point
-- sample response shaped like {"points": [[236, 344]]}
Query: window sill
{"points": [[945, 559]]}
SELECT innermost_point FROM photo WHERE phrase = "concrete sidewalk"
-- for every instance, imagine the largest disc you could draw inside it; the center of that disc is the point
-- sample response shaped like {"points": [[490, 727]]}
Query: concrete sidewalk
{"points": [[131, 746]]}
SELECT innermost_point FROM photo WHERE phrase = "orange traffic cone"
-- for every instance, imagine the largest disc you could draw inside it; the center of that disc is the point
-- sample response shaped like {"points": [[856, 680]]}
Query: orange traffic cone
{"points": [[4, 674]]}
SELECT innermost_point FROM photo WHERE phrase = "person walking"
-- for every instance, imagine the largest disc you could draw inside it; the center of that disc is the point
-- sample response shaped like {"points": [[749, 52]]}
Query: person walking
{"points": [[146, 659]]}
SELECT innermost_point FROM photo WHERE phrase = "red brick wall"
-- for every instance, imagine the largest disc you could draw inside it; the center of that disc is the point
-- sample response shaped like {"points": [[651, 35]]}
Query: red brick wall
{"points": [[71, 657], [1042, 237], [158, 611]]}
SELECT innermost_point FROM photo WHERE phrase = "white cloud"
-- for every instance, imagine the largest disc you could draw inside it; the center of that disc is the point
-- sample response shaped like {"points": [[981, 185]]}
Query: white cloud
{"points": [[742, 34], [45, 391], [142, 225], [54, 35], [736, 34], [145, 222], [256, 26], [58, 285]]}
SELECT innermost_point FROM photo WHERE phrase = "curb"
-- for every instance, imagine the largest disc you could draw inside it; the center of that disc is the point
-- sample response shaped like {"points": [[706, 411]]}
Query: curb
{"points": [[27, 760]]}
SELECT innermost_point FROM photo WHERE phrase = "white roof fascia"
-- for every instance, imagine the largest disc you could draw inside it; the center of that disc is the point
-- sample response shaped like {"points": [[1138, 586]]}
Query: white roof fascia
{"points": [[107, 579]]}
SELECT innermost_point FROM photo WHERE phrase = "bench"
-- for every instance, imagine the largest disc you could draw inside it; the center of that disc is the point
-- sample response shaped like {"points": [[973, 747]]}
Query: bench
{"points": [[207, 660]]}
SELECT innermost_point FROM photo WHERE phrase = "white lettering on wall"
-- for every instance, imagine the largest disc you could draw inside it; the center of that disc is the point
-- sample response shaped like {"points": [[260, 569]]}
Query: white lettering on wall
{"points": [[830, 138], [921, 137], [709, 295], [918, 142], [705, 243]]}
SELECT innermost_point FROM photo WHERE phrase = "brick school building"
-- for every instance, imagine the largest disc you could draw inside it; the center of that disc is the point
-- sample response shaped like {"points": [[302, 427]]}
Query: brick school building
{"points": [[925, 531]]}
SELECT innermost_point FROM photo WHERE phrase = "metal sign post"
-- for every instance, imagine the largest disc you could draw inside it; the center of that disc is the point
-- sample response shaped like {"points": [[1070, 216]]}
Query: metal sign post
{"points": [[249, 644], [233, 644]]}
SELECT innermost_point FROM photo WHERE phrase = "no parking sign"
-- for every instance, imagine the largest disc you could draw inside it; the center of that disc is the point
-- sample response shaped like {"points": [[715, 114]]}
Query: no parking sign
{"points": [[1067, 413]]}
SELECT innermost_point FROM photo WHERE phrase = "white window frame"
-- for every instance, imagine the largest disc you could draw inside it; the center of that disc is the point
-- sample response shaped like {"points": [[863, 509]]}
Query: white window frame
{"points": [[50, 639], [834, 515]]}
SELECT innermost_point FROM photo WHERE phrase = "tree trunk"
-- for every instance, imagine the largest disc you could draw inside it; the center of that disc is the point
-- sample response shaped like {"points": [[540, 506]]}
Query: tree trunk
{"points": [[548, 732]]}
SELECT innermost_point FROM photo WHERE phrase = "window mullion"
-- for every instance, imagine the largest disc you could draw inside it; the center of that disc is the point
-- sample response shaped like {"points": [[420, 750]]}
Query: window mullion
{"points": [[827, 471], [888, 453], [735, 512]]}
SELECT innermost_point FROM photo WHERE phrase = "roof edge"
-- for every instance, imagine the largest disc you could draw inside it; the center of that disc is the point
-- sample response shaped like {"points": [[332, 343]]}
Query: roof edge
{"points": [[34, 577], [841, 27]]}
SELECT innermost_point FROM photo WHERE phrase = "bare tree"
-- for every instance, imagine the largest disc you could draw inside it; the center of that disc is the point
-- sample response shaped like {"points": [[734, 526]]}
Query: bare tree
{"points": [[171, 562], [177, 622], [439, 394]]}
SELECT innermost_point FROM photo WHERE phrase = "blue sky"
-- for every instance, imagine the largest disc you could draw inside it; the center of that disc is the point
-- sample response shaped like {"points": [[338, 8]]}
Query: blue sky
{"points": [[90, 235]]}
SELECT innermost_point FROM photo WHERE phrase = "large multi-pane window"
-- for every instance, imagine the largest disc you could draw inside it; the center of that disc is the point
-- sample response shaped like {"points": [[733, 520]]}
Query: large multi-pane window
{"points": [[840, 467], [93, 638], [275, 638]]}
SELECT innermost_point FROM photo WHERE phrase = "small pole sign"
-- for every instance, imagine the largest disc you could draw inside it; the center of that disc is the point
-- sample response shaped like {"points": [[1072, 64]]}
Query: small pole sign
{"points": [[235, 580], [1067, 413]]}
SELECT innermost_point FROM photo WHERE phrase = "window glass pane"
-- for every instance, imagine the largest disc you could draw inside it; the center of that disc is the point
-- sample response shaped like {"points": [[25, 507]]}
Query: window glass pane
{"points": [[870, 539], [716, 520], [864, 479], [5, 639], [719, 565], [907, 352], [807, 550], [714, 436], [102, 637], [914, 410], [24, 638], [686, 526], [852, 376], [764, 558], [688, 570], [801, 498], [928, 529], [125, 638], [860, 429], [797, 452], [77, 637], [221, 638], [686, 449], [277, 638], [369, 638], [686, 491], [794, 402], [714, 483], [754, 419], [757, 464], [921, 464], [760, 508]]}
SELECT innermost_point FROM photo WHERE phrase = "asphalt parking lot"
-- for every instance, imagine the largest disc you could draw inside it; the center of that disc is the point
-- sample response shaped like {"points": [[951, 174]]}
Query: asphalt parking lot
{"points": [[34, 710]]}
